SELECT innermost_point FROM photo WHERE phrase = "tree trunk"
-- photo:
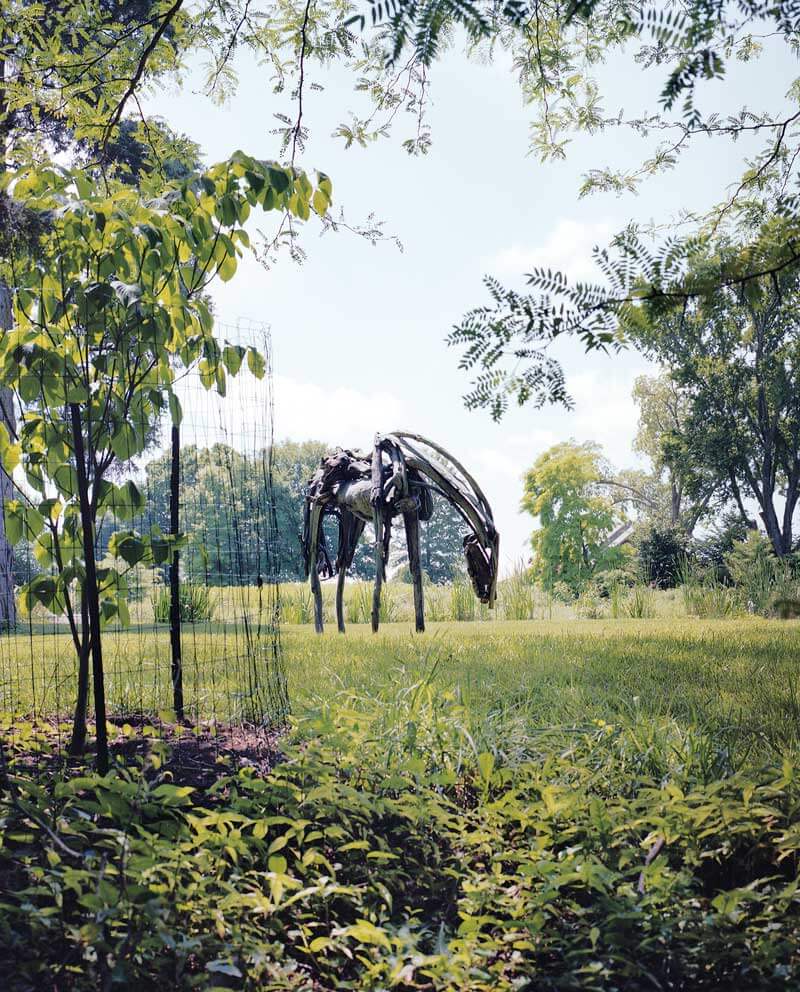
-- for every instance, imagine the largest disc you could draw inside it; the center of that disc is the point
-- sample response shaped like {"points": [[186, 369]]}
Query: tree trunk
{"points": [[90, 591], [8, 610]]}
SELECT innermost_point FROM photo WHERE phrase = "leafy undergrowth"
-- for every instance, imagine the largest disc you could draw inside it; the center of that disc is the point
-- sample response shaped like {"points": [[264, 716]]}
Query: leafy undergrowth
{"points": [[389, 851]]}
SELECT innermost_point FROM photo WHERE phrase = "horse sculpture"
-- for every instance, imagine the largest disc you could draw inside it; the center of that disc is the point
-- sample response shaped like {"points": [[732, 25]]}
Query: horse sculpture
{"points": [[398, 478]]}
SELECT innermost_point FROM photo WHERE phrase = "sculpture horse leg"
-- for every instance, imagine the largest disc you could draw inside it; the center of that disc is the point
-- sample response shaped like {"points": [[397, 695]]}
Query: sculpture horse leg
{"points": [[376, 592], [350, 530], [411, 521], [315, 525]]}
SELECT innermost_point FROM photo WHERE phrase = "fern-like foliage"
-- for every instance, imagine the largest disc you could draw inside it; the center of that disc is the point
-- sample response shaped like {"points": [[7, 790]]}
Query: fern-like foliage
{"points": [[505, 343], [697, 35]]}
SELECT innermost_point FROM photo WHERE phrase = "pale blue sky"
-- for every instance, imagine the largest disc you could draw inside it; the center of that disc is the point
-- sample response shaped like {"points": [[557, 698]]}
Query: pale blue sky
{"points": [[358, 331]]}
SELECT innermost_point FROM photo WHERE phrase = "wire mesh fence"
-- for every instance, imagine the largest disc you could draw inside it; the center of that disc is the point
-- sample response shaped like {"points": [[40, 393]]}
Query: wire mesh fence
{"points": [[194, 635]]}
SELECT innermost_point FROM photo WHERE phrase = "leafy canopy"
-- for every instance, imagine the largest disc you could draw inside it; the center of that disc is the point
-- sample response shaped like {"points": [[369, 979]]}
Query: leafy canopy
{"points": [[562, 490], [104, 318]]}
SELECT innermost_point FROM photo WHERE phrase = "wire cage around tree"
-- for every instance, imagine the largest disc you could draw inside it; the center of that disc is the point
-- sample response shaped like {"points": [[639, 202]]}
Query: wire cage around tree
{"points": [[196, 640]]}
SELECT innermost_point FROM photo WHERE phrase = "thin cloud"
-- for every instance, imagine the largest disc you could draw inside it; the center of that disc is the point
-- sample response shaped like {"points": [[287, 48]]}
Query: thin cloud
{"points": [[567, 248]]}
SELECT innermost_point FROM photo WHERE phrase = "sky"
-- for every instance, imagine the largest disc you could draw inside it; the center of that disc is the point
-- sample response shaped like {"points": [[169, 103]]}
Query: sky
{"points": [[358, 331]]}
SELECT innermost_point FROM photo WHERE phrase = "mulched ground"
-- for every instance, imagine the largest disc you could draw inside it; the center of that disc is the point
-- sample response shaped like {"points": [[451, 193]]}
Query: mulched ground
{"points": [[196, 756]]}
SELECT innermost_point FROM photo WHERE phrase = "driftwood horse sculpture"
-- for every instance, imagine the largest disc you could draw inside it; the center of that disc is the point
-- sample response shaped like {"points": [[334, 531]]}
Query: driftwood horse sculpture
{"points": [[398, 478]]}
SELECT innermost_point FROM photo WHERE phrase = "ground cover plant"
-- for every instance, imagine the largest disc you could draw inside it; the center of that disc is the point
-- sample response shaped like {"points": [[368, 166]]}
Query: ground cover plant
{"points": [[593, 805]]}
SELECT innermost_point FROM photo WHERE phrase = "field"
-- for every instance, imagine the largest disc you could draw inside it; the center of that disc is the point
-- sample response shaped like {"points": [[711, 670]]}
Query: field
{"points": [[549, 804], [737, 676]]}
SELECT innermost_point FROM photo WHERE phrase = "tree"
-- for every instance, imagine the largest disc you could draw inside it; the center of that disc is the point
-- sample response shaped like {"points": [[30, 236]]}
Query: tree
{"points": [[734, 356], [662, 436], [208, 506], [114, 300], [563, 491], [662, 557], [441, 544]]}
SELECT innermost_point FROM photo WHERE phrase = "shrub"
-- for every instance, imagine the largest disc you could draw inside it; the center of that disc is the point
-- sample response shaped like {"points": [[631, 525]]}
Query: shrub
{"points": [[391, 849], [591, 604], [661, 555], [757, 572], [196, 603], [704, 596]]}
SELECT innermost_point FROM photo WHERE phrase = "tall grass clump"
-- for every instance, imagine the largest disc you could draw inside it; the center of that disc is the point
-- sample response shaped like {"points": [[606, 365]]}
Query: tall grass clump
{"points": [[358, 603], [760, 577], [517, 595], [437, 603], [297, 604], [704, 595], [640, 602], [462, 599], [197, 604]]}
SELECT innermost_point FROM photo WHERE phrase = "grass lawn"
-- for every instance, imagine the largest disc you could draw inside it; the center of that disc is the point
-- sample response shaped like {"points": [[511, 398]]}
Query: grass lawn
{"points": [[738, 677]]}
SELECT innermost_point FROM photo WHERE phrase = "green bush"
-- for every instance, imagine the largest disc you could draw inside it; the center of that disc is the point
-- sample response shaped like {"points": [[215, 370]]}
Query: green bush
{"points": [[392, 848], [196, 603], [661, 555]]}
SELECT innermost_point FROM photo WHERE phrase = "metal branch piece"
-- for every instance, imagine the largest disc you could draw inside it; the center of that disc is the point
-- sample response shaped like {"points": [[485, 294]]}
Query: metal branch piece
{"points": [[398, 478]]}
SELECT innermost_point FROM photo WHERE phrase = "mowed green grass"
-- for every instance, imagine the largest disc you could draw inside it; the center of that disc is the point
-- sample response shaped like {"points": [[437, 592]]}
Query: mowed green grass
{"points": [[739, 679]]}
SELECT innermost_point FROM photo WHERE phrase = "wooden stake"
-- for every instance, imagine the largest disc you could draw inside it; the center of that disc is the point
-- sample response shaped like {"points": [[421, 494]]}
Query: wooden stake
{"points": [[174, 578], [313, 551]]}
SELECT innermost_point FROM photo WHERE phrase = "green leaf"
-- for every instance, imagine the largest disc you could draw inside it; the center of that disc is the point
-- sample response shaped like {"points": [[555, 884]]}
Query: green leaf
{"points": [[127, 545], [175, 409], [486, 766], [256, 363], [13, 521], [125, 443], [232, 356], [10, 453], [227, 268]]}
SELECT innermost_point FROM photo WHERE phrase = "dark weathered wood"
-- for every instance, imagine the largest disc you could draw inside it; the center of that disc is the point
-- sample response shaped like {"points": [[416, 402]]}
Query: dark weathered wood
{"points": [[174, 577], [396, 478], [340, 600], [378, 524], [376, 591], [411, 522], [90, 590], [313, 553]]}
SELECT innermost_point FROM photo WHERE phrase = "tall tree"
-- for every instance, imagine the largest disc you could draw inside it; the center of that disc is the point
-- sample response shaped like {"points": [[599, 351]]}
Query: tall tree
{"points": [[734, 356], [564, 491], [664, 411]]}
